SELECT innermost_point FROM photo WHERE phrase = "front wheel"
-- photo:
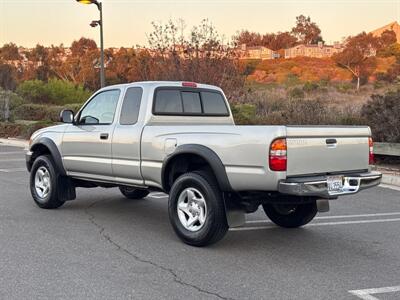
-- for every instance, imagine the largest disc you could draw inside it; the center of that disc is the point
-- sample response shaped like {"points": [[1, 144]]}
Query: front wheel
{"points": [[196, 209], [43, 183], [291, 215]]}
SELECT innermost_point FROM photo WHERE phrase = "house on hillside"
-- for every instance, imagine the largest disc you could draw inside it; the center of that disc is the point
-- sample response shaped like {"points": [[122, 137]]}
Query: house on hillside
{"points": [[257, 52], [391, 26], [318, 51]]}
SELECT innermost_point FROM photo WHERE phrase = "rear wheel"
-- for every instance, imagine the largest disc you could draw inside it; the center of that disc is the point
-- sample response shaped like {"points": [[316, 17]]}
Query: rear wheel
{"points": [[196, 209], [133, 193], [43, 183], [291, 215]]}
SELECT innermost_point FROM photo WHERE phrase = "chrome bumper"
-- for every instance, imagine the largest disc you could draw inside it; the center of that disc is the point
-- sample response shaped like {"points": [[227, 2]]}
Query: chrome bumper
{"points": [[318, 187]]}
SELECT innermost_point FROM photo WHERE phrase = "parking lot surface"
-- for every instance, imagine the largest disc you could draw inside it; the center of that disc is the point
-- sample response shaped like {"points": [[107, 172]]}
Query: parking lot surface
{"points": [[103, 246]]}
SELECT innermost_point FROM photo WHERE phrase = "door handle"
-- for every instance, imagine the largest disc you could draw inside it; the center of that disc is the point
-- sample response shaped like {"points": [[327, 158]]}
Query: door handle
{"points": [[331, 141], [103, 136]]}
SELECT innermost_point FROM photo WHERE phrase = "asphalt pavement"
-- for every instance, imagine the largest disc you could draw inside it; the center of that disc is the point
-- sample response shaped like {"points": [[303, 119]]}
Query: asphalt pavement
{"points": [[103, 246]]}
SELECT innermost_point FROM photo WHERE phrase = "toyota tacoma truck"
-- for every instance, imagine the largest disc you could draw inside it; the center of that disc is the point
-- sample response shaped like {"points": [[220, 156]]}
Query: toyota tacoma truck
{"points": [[180, 138]]}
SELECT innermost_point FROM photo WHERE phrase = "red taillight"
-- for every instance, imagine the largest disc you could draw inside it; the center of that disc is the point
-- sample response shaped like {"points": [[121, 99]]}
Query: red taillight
{"points": [[189, 84], [371, 151], [277, 155]]}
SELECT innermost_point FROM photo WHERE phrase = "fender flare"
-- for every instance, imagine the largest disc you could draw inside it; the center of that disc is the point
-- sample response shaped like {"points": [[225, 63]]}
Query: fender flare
{"points": [[208, 155], [55, 153]]}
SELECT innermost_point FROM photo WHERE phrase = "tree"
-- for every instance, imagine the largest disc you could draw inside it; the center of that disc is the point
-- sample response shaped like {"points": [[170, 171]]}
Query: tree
{"points": [[391, 50], [280, 40], [248, 38], [273, 41], [200, 56], [80, 66], [306, 31], [83, 46], [382, 113], [387, 43], [41, 63], [387, 38], [7, 77], [358, 55], [9, 52]]}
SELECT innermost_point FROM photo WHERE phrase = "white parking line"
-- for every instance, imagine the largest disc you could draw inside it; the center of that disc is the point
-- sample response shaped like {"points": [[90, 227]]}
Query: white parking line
{"points": [[12, 170], [392, 187], [158, 195], [13, 152], [318, 224], [12, 159], [367, 293], [336, 217]]}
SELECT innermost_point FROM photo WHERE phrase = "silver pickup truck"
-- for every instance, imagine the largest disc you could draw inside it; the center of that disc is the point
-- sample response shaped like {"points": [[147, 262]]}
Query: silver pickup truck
{"points": [[180, 138]]}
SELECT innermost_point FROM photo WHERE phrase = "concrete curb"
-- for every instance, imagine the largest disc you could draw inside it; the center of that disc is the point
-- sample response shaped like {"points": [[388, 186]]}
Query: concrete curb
{"points": [[391, 180], [14, 142]]}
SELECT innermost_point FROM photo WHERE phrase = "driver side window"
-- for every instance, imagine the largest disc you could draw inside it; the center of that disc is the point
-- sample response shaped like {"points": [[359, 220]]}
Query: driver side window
{"points": [[101, 109]]}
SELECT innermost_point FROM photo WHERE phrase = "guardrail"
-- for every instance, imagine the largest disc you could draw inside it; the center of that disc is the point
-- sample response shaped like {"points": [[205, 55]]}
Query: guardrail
{"points": [[390, 149]]}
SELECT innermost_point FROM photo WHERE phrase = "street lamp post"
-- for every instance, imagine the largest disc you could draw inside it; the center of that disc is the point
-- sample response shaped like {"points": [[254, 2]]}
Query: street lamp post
{"points": [[94, 24]]}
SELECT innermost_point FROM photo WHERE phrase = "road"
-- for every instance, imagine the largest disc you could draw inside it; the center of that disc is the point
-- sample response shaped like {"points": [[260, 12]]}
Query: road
{"points": [[103, 246]]}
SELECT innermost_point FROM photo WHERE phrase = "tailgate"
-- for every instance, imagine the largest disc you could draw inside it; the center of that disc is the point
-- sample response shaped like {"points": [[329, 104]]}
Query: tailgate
{"points": [[319, 150]]}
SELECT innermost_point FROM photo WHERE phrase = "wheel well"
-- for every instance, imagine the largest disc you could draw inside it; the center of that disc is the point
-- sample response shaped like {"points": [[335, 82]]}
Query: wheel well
{"points": [[181, 164], [38, 150]]}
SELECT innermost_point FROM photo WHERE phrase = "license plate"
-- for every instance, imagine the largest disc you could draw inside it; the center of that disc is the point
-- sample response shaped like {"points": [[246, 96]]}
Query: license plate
{"points": [[335, 183]]}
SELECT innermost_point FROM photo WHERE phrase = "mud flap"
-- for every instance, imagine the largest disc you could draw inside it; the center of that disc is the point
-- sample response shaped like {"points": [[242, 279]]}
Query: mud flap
{"points": [[323, 205], [66, 189], [235, 215]]}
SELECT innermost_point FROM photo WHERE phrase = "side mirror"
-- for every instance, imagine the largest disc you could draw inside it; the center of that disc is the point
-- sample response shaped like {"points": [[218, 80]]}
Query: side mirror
{"points": [[67, 116]]}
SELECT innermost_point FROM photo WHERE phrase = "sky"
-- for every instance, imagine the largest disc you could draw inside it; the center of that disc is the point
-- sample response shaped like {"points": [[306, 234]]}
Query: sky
{"points": [[126, 22]]}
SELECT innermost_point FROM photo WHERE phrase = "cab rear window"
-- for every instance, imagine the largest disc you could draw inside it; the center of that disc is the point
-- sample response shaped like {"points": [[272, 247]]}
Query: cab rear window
{"points": [[192, 102]]}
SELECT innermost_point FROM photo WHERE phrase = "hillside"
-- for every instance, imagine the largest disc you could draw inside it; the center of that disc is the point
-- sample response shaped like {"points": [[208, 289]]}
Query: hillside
{"points": [[308, 69]]}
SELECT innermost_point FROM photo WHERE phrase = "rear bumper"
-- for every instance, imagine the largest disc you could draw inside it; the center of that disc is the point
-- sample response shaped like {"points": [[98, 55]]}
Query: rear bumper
{"points": [[318, 187]]}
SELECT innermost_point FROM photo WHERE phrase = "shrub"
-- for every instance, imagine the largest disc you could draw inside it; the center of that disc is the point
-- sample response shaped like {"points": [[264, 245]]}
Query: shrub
{"points": [[39, 112], [292, 79], [344, 87], [13, 101], [277, 109], [382, 114], [55, 91], [296, 93], [64, 92], [310, 86], [36, 112], [244, 113], [378, 84], [21, 130]]}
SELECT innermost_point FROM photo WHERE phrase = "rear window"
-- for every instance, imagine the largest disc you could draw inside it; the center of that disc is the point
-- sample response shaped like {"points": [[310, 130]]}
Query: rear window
{"points": [[213, 103], [191, 102], [195, 102], [168, 102]]}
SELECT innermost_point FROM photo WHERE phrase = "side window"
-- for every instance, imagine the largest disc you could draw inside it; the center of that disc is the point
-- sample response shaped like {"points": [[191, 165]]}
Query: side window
{"points": [[168, 102], [130, 106], [213, 103], [101, 109], [191, 102]]}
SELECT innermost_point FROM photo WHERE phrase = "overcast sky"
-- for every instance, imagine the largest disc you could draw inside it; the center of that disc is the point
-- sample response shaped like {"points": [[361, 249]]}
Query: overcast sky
{"points": [[126, 22]]}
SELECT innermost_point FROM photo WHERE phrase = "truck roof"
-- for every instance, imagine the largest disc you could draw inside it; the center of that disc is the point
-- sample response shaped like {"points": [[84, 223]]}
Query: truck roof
{"points": [[155, 84]]}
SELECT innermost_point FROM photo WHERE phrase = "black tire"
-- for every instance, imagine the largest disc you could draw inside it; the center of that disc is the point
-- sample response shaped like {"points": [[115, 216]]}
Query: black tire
{"points": [[215, 224], [291, 215], [50, 199], [132, 193]]}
